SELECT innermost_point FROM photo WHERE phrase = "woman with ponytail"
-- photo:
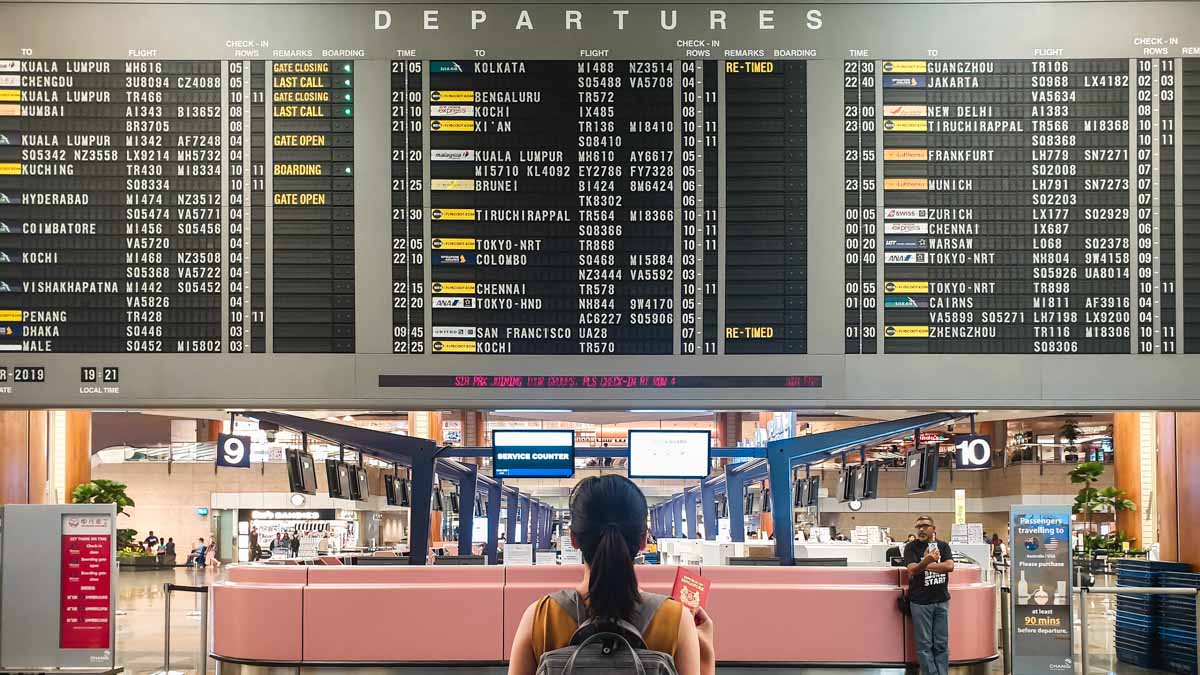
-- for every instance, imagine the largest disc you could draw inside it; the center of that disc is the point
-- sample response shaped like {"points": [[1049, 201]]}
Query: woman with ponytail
{"points": [[608, 526]]}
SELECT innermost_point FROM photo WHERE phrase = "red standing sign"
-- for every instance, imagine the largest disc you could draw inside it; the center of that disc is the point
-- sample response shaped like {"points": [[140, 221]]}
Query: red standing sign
{"points": [[86, 576]]}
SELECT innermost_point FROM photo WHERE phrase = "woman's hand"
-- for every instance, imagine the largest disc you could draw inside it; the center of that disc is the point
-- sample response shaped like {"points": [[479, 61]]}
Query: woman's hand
{"points": [[704, 631]]}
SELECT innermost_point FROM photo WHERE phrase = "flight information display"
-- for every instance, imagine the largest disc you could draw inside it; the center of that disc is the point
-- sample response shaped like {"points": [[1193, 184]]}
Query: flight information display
{"points": [[759, 206], [573, 209]]}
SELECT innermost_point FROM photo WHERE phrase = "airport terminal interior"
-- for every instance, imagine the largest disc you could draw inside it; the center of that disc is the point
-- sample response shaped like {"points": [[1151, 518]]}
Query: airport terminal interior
{"points": [[551, 337]]}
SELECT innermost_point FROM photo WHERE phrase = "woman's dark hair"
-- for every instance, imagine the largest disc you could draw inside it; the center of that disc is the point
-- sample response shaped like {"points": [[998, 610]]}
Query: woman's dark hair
{"points": [[608, 519]]}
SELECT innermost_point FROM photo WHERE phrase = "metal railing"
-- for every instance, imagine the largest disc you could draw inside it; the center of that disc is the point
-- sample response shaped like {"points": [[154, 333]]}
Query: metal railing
{"points": [[1125, 590], [167, 590]]}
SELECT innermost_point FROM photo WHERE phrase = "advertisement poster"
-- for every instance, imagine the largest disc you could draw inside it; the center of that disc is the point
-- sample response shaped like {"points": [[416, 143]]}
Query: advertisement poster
{"points": [[1042, 634], [86, 578]]}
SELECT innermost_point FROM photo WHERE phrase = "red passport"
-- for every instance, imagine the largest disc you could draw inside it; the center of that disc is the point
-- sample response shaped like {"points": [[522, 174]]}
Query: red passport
{"points": [[690, 589]]}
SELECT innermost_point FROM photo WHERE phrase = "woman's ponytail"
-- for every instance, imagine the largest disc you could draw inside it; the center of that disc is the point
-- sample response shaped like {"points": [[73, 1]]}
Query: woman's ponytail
{"points": [[612, 584], [608, 519]]}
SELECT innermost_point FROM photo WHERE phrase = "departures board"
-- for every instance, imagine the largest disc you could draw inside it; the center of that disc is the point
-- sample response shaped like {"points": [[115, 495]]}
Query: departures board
{"points": [[822, 205]]}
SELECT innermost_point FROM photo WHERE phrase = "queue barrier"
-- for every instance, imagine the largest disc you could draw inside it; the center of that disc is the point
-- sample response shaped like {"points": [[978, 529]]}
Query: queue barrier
{"points": [[418, 614], [168, 589]]}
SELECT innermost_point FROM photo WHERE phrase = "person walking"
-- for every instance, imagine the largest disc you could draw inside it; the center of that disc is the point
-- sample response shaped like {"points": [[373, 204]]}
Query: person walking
{"points": [[212, 554], [296, 545], [930, 561]]}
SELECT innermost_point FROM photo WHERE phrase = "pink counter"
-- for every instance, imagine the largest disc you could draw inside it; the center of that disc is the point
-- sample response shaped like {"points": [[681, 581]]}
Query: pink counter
{"points": [[414, 614]]}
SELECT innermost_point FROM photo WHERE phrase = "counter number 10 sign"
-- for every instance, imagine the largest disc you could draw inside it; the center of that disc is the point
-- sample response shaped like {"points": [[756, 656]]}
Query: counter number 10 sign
{"points": [[972, 452]]}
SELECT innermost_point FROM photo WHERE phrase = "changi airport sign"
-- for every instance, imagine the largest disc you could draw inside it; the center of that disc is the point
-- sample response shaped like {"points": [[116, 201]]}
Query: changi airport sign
{"points": [[366, 203]]}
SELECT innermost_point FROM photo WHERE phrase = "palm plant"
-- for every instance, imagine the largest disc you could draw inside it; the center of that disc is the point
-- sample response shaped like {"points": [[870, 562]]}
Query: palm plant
{"points": [[1090, 500]]}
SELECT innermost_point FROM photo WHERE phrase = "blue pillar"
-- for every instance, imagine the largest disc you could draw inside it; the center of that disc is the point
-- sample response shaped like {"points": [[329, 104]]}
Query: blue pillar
{"points": [[466, 508], [510, 520], [548, 527], [677, 517], [735, 494], [418, 514], [523, 525], [708, 501], [779, 468], [689, 508], [493, 523]]}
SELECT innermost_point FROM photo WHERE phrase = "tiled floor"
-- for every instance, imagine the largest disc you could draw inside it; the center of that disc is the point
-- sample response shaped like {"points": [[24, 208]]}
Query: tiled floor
{"points": [[140, 627]]}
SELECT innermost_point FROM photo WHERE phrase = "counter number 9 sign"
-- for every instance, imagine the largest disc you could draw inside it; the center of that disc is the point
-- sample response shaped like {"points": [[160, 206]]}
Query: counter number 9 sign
{"points": [[233, 451], [972, 452]]}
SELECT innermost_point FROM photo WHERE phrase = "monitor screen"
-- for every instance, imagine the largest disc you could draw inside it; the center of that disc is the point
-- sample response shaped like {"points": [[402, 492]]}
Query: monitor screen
{"points": [[845, 491], [915, 479], [338, 478], [869, 488], [308, 468], [533, 454], [800, 493], [814, 490], [295, 468], [766, 500], [390, 485], [404, 496], [353, 483], [929, 468], [669, 454], [437, 499]]}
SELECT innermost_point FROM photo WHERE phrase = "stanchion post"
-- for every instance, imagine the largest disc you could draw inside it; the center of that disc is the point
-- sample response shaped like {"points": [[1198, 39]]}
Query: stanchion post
{"points": [[1197, 602], [1006, 627], [167, 629], [1083, 627], [204, 635]]}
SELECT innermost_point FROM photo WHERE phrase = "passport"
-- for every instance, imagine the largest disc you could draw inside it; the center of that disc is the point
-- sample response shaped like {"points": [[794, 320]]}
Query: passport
{"points": [[691, 589]]}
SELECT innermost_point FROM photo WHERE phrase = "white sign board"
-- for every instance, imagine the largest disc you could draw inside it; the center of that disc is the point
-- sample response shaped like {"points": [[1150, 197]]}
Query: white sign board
{"points": [[518, 554]]}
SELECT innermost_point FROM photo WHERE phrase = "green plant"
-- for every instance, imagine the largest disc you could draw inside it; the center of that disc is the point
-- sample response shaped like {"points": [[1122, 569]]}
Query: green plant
{"points": [[126, 538], [1090, 501], [1070, 432], [100, 491]]}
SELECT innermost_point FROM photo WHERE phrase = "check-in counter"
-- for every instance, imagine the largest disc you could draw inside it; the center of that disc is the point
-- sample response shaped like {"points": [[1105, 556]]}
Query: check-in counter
{"points": [[338, 616]]}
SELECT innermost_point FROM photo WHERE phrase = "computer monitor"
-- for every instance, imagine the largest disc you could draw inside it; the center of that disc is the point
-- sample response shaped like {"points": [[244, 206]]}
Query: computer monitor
{"points": [[929, 468], [859, 474], [800, 493], [437, 499], [814, 491], [454, 505], [870, 481], [404, 496], [920, 468], [338, 477], [669, 454], [389, 490], [845, 491], [301, 472], [357, 483], [766, 500]]}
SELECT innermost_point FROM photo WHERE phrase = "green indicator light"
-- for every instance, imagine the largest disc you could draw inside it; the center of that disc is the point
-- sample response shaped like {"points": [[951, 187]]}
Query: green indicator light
{"points": [[349, 170], [346, 68], [346, 82], [346, 97], [348, 111]]}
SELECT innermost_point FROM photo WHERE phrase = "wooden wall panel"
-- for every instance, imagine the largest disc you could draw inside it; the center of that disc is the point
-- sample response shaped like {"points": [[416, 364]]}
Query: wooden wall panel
{"points": [[78, 449], [1127, 468], [40, 490], [1187, 482], [1168, 536], [14, 456]]}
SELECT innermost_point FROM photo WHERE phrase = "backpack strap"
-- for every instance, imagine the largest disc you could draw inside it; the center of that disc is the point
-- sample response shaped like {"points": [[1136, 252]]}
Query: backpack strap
{"points": [[634, 628]]}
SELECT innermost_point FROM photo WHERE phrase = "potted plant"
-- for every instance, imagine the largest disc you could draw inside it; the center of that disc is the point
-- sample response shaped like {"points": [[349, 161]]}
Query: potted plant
{"points": [[1090, 501]]}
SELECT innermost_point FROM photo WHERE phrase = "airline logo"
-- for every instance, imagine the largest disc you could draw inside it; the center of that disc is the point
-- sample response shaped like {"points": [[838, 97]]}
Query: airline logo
{"points": [[454, 244], [452, 125], [903, 81], [905, 243], [905, 155], [454, 303], [453, 214], [906, 331], [905, 125], [454, 346], [452, 184], [905, 302], [10, 95], [904, 66], [445, 67], [906, 258], [906, 214], [904, 110], [454, 287], [454, 259], [450, 96], [9, 331], [10, 138], [452, 155], [10, 110], [906, 287], [10, 80], [905, 183], [10, 169], [6, 287], [10, 347], [452, 110], [453, 332], [9, 66], [906, 228], [13, 315]]}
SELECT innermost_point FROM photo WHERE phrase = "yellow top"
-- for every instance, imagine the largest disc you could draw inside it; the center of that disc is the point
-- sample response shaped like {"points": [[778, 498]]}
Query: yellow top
{"points": [[553, 627]]}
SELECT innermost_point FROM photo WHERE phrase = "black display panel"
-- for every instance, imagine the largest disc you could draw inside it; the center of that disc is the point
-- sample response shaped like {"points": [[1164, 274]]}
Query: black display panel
{"points": [[533, 454], [390, 488], [845, 487], [302, 475], [814, 491], [337, 474]]}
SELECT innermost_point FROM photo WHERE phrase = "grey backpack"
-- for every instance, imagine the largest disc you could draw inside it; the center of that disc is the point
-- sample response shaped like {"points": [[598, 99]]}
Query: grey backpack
{"points": [[607, 646]]}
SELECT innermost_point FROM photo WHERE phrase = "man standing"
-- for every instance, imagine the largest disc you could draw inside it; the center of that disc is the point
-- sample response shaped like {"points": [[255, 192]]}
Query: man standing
{"points": [[930, 562], [151, 542]]}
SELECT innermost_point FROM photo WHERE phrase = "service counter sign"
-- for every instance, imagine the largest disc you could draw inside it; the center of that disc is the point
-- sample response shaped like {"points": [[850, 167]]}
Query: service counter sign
{"points": [[1042, 635], [86, 577]]}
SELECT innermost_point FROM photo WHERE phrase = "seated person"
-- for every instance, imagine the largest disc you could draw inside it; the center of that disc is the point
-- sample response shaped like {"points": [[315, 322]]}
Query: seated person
{"points": [[608, 526], [196, 557]]}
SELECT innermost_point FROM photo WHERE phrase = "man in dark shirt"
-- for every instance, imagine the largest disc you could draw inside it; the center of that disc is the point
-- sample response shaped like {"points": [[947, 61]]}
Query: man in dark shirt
{"points": [[930, 562]]}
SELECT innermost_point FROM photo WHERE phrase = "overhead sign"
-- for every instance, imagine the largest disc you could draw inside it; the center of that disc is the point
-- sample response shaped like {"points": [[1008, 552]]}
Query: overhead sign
{"points": [[1042, 630], [233, 451], [972, 452]]}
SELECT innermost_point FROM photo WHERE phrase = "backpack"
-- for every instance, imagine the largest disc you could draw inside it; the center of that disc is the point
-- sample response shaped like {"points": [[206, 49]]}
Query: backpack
{"points": [[607, 646]]}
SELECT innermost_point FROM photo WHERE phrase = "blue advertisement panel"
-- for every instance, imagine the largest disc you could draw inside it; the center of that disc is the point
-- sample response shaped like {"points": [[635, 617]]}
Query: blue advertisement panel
{"points": [[1042, 634]]}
